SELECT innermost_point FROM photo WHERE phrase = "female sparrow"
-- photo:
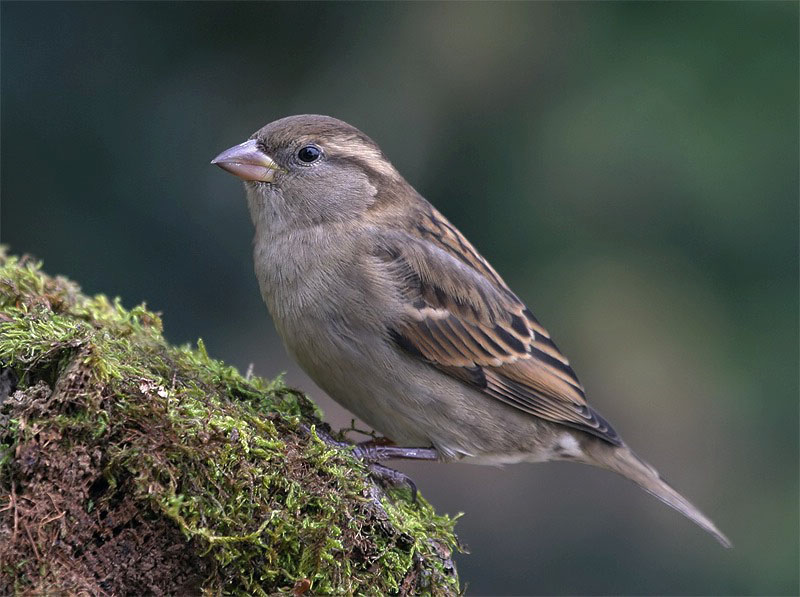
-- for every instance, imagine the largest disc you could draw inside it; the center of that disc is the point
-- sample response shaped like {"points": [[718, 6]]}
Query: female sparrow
{"points": [[393, 313]]}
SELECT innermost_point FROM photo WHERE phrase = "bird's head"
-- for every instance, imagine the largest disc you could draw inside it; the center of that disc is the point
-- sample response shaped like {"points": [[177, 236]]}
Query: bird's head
{"points": [[310, 169]]}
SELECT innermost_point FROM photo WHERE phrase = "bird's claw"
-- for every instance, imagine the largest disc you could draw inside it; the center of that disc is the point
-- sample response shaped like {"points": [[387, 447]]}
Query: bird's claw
{"points": [[373, 451], [392, 478]]}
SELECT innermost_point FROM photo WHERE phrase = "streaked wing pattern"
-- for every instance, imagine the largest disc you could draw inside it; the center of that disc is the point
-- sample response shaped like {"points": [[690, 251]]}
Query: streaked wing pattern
{"points": [[464, 320]]}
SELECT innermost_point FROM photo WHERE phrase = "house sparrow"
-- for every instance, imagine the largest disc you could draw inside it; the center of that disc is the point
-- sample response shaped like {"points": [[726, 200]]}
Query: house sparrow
{"points": [[393, 313]]}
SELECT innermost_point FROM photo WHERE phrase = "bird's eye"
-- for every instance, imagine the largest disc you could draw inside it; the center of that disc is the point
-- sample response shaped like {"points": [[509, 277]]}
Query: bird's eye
{"points": [[309, 154]]}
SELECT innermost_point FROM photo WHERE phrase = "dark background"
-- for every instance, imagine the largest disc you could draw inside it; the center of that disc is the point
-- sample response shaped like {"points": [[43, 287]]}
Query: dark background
{"points": [[631, 169]]}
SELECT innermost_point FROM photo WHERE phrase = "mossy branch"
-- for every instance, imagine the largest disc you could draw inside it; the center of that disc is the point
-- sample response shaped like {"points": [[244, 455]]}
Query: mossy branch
{"points": [[129, 466]]}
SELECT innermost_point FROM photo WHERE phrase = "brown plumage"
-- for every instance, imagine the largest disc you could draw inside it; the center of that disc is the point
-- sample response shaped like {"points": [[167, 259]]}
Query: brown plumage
{"points": [[396, 316], [470, 325]]}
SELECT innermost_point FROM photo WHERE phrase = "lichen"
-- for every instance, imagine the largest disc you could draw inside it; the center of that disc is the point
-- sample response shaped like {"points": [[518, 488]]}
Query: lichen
{"points": [[130, 466]]}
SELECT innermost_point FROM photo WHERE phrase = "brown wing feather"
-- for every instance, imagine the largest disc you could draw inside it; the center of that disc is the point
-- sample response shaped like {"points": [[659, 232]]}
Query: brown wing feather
{"points": [[464, 320]]}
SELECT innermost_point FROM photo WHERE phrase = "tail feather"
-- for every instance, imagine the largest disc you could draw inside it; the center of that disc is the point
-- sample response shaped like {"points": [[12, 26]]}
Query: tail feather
{"points": [[623, 461]]}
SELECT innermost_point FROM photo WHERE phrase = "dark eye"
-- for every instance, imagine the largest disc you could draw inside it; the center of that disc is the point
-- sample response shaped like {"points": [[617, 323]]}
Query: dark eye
{"points": [[309, 153]]}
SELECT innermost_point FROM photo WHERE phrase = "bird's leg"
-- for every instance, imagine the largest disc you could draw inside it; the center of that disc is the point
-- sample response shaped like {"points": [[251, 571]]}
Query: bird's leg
{"points": [[392, 478], [377, 450], [372, 452]]}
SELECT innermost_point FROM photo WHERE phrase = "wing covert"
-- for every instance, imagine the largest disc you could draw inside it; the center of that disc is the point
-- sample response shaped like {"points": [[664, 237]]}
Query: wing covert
{"points": [[462, 318]]}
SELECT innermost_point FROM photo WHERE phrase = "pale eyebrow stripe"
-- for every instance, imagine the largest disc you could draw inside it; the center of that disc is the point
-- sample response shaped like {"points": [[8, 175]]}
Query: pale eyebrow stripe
{"points": [[371, 156]]}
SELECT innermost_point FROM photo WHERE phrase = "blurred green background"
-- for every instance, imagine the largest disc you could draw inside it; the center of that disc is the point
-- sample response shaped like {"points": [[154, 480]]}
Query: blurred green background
{"points": [[631, 169]]}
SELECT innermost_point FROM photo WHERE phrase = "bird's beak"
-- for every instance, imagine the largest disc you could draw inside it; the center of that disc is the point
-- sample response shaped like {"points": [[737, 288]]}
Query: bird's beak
{"points": [[248, 162]]}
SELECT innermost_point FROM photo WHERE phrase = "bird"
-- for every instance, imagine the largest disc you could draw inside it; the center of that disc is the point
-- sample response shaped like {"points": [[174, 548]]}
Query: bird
{"points": [[394, 314]]}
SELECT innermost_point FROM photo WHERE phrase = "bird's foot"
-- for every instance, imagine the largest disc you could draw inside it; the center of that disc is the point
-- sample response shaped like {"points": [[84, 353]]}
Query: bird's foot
{"points": [[376, 450], [373, 451], [389, 477]]}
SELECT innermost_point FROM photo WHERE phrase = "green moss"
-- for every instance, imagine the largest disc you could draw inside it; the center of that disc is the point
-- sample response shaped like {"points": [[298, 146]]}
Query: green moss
{"points": [[187, 439]]}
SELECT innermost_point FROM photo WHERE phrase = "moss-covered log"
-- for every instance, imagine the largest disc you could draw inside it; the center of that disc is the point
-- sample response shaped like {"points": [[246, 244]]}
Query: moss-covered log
{"points": [[129, 466]]}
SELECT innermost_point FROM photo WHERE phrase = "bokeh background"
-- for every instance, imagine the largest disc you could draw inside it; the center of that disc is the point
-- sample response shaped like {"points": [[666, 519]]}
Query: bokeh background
{"points": [[631, 169]]}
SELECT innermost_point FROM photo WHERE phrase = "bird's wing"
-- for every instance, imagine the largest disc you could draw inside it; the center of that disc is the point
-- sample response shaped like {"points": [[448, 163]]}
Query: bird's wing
{"points": [[464, 320]]}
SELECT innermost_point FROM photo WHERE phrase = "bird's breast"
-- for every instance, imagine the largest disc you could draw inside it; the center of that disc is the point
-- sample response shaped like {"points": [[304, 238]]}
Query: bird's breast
{"points": [[317, 286]]}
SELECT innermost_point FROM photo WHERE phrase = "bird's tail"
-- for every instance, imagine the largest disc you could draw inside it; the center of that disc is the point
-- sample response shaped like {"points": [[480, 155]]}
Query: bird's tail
{"points": [[623, 461]]}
